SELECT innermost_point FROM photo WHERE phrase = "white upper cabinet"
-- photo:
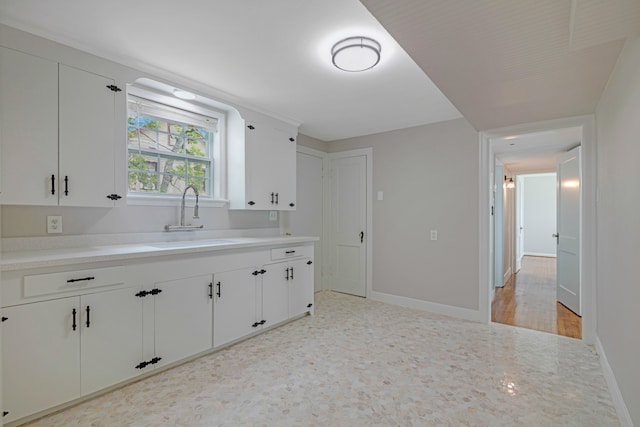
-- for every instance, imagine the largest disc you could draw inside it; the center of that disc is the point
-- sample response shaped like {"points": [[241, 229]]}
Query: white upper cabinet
{"points": [[28, 129], [87, 140], [262, 167], [57, 133]]}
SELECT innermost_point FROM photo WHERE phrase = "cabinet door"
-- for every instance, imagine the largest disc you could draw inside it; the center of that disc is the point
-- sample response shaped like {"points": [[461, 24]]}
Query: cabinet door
{"points": [[28, 129], [301, 288], [235, 296], [183, 317], [275, 292], [41, 356], [111, 344], [270, 166], [87, 138]]}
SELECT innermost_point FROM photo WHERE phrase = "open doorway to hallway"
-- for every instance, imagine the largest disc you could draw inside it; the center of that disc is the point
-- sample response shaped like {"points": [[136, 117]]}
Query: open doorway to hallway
{"points": [[527, 223]]}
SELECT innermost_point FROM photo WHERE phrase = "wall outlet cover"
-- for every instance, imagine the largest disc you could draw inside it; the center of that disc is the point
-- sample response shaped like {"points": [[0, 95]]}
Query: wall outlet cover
{"points": [[273, 215], [54, 224]]}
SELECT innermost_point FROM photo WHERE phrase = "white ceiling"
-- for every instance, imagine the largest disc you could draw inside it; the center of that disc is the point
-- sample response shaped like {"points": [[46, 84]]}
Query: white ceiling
{"points": [[535, 152], [273, 55], [507, 62]]}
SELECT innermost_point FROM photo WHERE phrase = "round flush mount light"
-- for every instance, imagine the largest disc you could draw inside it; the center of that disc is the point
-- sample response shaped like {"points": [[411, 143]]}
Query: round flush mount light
{"points": [[183, 94], [355, 54]]}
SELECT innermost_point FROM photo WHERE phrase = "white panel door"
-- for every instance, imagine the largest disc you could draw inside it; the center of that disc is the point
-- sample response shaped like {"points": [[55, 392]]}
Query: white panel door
{"points": [[87, 139], [111, 344], [307, 219], [183, 318], [28, 129], [348, 224], [41, 356], [568, 233]]}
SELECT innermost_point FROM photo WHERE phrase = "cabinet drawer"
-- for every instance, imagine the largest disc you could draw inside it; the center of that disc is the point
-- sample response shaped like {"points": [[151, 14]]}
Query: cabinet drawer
{"points": [[45, 284], [284, 253]]}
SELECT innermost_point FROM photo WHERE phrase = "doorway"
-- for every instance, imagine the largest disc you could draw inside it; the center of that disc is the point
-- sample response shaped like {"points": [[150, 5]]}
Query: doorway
{"points": [[509, 137]]}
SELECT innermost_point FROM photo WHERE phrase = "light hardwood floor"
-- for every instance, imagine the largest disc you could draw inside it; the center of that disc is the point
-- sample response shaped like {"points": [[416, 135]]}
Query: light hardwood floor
{"points": [[529, 300]]}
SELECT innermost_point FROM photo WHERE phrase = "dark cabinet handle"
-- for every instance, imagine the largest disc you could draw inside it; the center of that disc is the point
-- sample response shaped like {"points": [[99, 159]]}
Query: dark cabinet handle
{"points": [[290, 252], [361, 236], [80, 280], [287, 277], [113, 197], [309, 262], [211, 290], [88, 310], [309, 305], [155, 291], [262, 322], [291, 273], [251, 203], [272, 194], [73, 323], [53, 184], [219, 293], [255, 325], [252, 127], [155, 360], [66, 185], [276, 198]]}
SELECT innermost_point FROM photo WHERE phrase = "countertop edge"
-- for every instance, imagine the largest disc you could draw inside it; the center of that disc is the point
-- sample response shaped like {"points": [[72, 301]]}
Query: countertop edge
{"points": [[24, 260]]}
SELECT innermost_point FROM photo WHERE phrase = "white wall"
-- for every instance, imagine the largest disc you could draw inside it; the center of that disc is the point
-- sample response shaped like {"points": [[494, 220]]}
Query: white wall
{"points": [[429, 178], [618, 240], [539, 206]]}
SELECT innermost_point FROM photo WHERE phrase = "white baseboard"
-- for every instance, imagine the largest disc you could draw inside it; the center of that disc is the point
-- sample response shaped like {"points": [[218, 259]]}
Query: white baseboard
{"points": [[616, 395], [447, 310]]}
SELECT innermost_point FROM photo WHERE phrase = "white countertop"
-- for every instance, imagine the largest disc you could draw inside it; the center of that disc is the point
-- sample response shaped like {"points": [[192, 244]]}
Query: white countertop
{"points": [[20, 260]]}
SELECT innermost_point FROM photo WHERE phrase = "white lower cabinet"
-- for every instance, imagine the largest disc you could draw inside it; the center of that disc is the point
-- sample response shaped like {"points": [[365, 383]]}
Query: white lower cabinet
{"points": [[68, 334], [182, 311], [56, 351], [235, 309]]}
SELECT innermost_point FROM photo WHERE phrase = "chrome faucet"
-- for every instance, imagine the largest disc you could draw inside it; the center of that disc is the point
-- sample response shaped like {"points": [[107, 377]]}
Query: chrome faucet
{"points": [[183, 227], [195, 208]]}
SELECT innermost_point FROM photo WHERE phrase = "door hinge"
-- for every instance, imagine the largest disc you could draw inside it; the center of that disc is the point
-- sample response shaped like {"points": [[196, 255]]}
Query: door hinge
{"points": [[309, 305], [5, 413], [252, 127], [309, 262], [146, 363], [114, 88], [251, 203], [114, 197], [142, 294], [255, 273], [292, 139], [155, 291], [255, 325], [292, 204], [4, 319]]}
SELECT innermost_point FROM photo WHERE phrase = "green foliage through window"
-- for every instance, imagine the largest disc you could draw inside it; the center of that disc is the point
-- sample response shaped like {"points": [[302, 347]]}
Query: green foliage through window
{"points": [[169, 149]]}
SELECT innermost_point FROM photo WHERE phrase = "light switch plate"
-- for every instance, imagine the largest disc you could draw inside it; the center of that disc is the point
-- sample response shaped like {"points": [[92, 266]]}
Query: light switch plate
{"points": [[434, 234], [54, 224]]}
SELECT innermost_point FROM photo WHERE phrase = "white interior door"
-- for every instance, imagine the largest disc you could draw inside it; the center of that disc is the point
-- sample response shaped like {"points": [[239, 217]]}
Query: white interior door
{"points": [[568, 232], [348, 224], [306, 220], [519, 221]]}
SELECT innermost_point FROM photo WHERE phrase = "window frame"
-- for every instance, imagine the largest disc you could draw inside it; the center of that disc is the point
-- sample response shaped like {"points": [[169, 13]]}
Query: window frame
{"points": [[218, 164]]}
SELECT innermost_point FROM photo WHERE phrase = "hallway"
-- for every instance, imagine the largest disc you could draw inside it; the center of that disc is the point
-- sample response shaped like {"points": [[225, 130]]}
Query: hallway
{"points": [[528, 300]]}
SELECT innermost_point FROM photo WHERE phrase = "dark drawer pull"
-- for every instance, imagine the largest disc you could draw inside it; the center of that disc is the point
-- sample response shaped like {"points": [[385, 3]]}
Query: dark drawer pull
{"points": [[80, 280], [290, 252], [74, 325], [53, 184], [88, 310]]}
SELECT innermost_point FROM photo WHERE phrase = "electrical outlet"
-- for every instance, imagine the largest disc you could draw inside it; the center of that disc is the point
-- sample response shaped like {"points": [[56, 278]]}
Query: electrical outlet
{"points": [[434, 234], [54, 224], [273, 215]]}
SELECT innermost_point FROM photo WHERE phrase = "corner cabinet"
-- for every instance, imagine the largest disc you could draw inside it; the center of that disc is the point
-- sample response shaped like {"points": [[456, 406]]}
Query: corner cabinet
{"points": [[262, 167], [60, 121]]}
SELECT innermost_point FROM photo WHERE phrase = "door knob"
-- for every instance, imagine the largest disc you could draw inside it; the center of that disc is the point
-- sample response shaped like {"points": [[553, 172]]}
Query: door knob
{"points": [[557, 237]]}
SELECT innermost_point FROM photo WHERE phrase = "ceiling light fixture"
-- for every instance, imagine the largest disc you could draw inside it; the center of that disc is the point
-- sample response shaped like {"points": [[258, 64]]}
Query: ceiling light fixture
{"points": [[355, 54], [183, 94]]}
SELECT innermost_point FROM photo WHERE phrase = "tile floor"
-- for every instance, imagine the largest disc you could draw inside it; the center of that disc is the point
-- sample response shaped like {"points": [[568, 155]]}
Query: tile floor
{"points": [[363, 363]]}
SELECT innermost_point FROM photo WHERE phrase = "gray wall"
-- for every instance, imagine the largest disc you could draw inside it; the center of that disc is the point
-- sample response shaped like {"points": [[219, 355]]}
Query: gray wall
{"points": [[429, 175], [539, 202], [618, 241]]}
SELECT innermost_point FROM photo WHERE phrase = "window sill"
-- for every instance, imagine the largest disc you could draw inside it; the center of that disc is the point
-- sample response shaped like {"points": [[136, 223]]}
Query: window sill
{"points": [[141, 200]]}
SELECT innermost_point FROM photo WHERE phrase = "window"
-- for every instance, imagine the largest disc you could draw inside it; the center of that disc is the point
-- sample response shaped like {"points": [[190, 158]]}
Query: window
{"points": [[170, 148]]}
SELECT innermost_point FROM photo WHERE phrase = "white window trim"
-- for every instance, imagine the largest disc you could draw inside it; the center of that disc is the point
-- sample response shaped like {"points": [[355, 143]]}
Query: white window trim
{"points": [[219, 154]]}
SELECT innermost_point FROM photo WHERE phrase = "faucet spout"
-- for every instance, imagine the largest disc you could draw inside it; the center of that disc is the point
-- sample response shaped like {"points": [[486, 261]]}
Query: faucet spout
{"points": [[195, 208]]}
